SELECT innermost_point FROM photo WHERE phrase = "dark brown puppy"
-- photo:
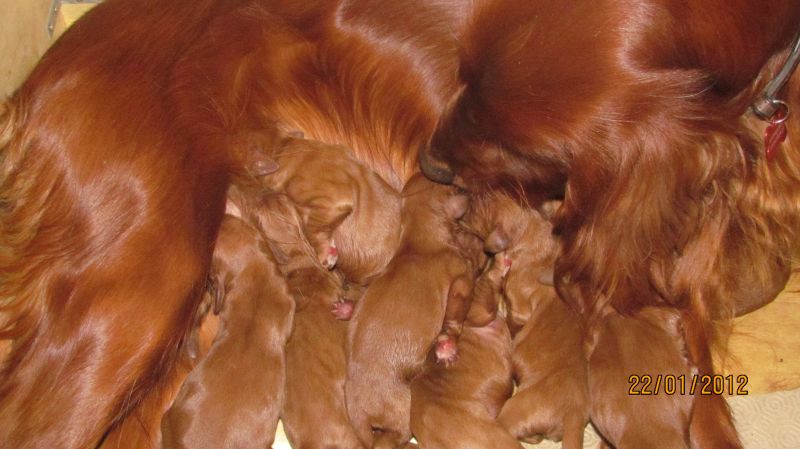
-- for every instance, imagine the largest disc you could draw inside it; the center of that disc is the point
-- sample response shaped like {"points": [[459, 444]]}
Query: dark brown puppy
{"points": [[456, 406], [402, 312], [233, 398]]}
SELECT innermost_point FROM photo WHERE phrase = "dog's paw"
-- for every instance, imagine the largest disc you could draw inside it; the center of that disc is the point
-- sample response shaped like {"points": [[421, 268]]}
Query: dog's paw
{"points": [[330, 255], [446, 350], [342, 310], [506, 265]]}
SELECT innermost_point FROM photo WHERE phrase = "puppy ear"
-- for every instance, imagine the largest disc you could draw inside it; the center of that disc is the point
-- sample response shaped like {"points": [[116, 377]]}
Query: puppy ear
{"points": [[456, 206]]}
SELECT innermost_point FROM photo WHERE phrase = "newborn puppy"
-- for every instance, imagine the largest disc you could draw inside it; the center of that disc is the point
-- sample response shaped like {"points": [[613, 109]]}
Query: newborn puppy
{"points": [[548, 358], [402, 312], [234, 396], [651, 342], [456, 406], [314, 414], [351, 216]]}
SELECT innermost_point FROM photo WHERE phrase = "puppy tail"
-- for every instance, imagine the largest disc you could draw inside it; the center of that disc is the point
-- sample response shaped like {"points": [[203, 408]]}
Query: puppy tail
{"points": [[711, 425]]}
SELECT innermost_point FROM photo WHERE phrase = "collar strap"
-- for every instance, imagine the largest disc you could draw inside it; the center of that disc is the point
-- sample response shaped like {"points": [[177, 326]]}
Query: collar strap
{"points": [[768, 104]]}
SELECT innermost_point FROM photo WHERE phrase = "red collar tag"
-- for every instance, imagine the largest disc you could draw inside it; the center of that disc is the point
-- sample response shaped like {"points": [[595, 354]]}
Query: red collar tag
{"points": [[775, 134]]}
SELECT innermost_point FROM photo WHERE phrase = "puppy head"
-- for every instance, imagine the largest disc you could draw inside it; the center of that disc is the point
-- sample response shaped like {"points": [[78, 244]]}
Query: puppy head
{"points": [[431, 208], [499, 220]]}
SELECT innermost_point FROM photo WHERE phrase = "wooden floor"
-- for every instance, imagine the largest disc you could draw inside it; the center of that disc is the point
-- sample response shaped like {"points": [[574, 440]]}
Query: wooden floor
{"points": [[765, 345]]}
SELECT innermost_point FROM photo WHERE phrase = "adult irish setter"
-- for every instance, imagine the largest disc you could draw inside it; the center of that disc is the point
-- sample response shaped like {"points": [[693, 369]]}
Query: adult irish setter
{"points": [[114, 159], [637, 114], [114, 169]]}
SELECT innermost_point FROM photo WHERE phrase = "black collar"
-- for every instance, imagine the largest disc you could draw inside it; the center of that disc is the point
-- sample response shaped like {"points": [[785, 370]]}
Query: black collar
{"points": [[768, 104]]}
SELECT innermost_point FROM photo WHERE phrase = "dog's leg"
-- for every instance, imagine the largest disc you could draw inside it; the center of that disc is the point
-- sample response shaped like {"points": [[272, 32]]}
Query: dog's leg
{"points": [[459, 299], [486, 297]]}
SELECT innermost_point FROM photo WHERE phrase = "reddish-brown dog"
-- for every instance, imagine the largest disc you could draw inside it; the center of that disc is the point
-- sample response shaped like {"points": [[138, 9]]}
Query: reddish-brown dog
{"points": [[346, 207], [314, 414], [551, 399], [646, 134], [113, 189], [337, 198], [234, 396], [456, 406], [402, 311], [650, 343], [141, 429]]}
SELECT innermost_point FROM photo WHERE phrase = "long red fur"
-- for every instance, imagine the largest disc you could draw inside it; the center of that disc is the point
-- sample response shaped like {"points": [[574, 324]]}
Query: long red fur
{"points": [[636, 113], [113, 174], [113, 165]]}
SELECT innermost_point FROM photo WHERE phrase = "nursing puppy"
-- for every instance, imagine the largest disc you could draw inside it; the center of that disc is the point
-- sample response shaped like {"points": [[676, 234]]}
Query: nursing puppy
{"points": [[456, 406], [651, 342], [234, 396], [351, 216], [550, 369], [314, 414], [551, 400], [402, 312]]}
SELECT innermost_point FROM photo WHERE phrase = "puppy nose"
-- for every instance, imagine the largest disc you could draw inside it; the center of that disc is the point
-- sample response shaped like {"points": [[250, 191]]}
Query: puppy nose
{"points": [[435, 170]]}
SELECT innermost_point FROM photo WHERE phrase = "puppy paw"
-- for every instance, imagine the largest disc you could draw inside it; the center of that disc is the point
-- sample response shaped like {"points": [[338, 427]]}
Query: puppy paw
{"points": [[342, 310], [329, 256], [506, 265], [446, 350]]}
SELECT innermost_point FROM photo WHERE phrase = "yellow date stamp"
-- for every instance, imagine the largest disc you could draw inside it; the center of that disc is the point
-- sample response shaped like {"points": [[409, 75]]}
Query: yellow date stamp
{"points": [[670, 384]]}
